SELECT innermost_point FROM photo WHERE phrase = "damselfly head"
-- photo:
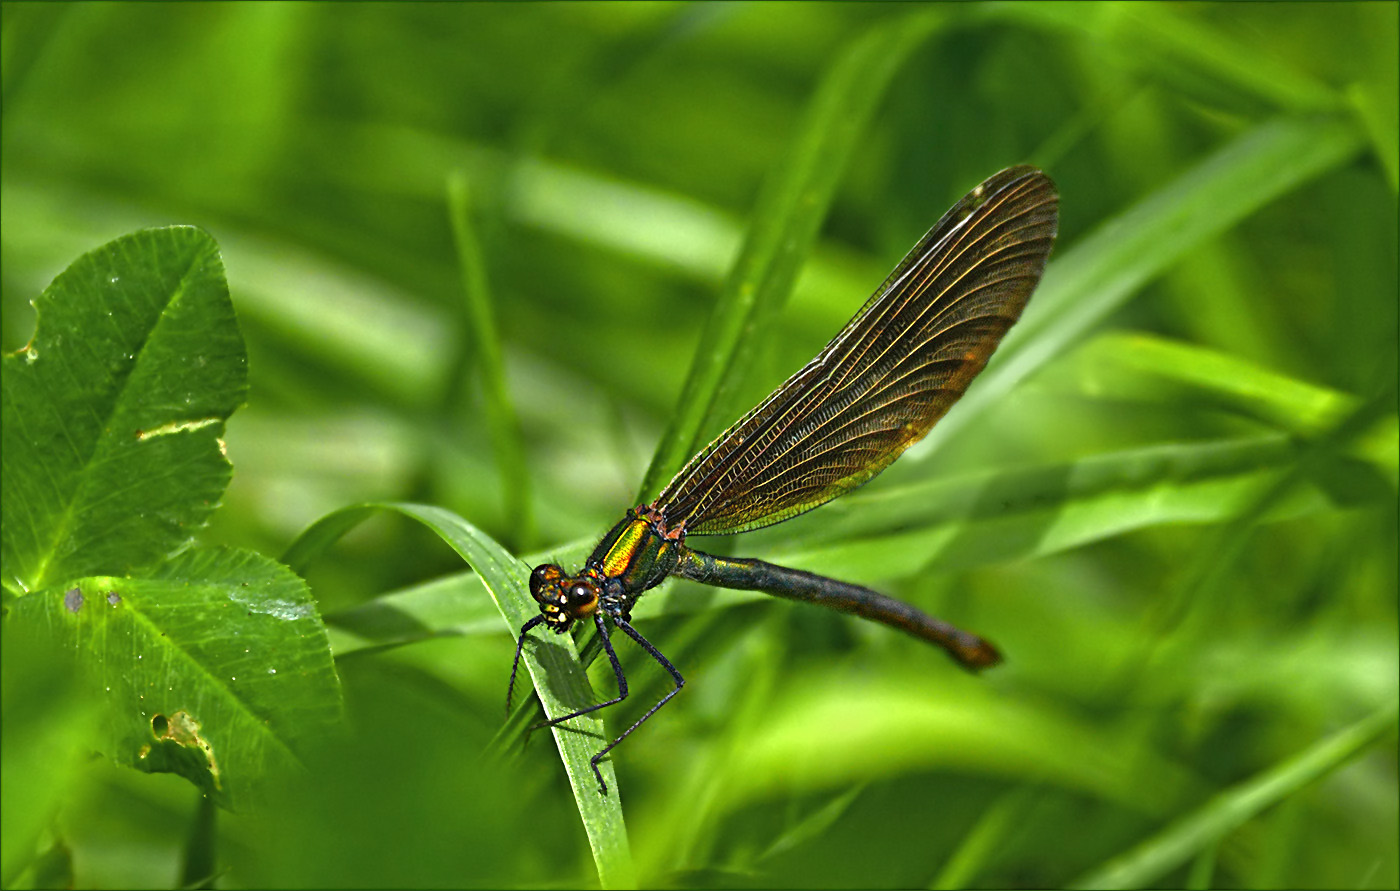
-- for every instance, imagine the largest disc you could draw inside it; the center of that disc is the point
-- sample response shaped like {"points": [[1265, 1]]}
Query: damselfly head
{"points": [[562, 598]]}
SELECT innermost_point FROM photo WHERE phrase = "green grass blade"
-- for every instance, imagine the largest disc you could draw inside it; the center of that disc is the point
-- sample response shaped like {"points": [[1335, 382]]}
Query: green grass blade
{"points": [[987, 836], [1195, 597], [814, 825], [483, 346], [1151, 861], [1100, 273], [1025, 513], [1125, 365], [553, 665], [1203, 868], [1176, 46], [784, 227], [1377, 98], [1153, 369], [934, 721]]}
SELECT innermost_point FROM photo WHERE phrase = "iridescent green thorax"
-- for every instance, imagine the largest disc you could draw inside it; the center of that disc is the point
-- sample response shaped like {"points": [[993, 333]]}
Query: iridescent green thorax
{"points": [[639, 552], [636, 554]]}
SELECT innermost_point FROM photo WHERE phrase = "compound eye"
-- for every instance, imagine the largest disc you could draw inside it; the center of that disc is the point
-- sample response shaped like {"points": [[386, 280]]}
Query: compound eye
{"points": [[541, 577], [581, 596]]}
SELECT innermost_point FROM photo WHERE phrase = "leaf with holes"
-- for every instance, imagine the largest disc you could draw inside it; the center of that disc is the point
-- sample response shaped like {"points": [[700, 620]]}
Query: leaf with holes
{"points": [[215, 666], [113, 413]]}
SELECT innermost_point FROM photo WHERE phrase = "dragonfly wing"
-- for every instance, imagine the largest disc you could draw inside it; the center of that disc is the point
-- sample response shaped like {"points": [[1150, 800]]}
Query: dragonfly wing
{"points": [[888, 376]]}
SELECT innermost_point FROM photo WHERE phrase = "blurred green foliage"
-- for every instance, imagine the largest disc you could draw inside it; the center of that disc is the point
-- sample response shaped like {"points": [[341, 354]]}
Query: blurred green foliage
{"points": [[1197, 593]]}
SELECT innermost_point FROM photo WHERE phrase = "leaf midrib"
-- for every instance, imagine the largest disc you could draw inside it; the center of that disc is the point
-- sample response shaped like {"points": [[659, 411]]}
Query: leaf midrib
{"points": [[65, 525]]}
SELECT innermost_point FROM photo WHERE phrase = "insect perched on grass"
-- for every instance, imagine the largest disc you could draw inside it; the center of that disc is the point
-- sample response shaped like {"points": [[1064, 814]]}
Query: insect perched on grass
{"points": [[876, 389]]}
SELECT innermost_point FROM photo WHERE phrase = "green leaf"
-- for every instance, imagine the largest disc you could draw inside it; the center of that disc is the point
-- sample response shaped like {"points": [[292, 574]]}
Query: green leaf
{"points": [[112, 415], [1151, 861], [552, 662], [794, 201], [215, 666]]}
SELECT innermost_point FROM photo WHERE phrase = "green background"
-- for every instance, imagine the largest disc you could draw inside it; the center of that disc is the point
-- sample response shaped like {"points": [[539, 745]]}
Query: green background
{"points": [[611, 157]]}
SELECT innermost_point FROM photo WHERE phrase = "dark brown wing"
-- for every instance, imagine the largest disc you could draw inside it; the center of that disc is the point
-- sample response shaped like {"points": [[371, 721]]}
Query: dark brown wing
{"points": [[891, 373]]}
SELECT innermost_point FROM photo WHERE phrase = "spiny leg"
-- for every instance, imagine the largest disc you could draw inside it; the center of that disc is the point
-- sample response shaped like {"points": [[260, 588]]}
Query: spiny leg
{"points": [[520, 645], [617, 671], [666, 664]]}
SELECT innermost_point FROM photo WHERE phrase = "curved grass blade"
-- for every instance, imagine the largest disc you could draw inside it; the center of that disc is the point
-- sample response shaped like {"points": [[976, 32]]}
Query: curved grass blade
{"points": [[1124, 364], [449, 606], [885, 727], [1151, 861], [1172, 45], [1154, 369], [554, 667], [1194, 597]]}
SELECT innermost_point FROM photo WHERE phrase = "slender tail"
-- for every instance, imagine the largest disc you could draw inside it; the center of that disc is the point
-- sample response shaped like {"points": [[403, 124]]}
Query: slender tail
{"points": [[970, 651]]}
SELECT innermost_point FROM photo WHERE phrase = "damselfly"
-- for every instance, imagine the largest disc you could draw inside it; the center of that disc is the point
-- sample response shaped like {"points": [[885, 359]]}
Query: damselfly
{"points": [[876, 389]]}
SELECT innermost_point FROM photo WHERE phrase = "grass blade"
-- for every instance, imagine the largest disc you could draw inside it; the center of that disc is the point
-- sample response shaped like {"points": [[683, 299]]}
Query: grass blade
{"points": [[1175, 45], [1377, 98], [1012, 515], [484, 343], [1152, 860], [1154, 369], [1126, 365], [990, 834]]}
